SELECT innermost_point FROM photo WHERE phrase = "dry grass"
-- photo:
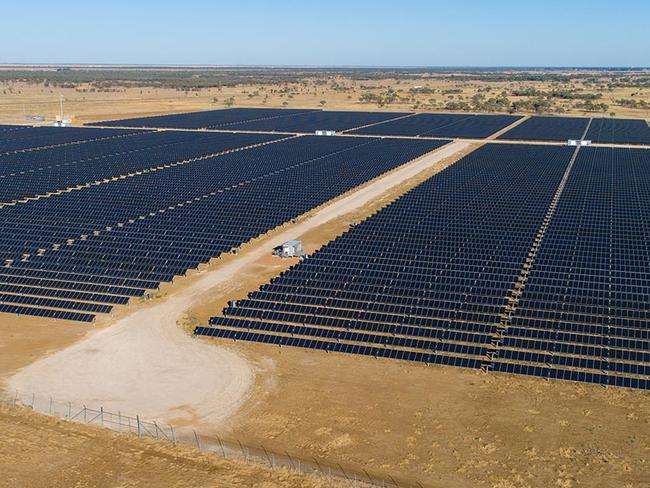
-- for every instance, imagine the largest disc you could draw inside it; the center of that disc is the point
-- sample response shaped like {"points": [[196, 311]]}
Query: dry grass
{"points": [[445, 427], [19, 99], [40, 451]]}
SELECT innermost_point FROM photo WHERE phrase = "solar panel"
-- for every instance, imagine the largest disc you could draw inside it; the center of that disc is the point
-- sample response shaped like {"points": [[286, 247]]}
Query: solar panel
{"points": [[442, 125], [209, 119], [426, 278], [585, 305], [88, 249]]}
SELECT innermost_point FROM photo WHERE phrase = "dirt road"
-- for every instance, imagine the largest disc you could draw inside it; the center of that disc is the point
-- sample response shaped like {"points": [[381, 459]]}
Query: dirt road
{"points": [[146, 364]]}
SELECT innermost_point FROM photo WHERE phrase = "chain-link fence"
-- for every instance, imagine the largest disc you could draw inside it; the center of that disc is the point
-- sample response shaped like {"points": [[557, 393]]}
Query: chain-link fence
{"points": [[226, 448]]}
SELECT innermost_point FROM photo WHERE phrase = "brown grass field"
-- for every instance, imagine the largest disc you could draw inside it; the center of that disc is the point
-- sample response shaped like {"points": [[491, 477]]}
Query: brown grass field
{"points": [[433, 92], [43, 452], [437, 426]]}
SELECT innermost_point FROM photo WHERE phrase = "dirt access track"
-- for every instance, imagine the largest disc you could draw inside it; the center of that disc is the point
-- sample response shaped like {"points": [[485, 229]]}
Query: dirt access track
{"points": [[145, 364]]}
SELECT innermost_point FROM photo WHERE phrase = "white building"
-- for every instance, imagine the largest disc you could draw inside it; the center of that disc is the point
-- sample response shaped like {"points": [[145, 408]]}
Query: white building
{"points": [[578, 142], [289, 249]]}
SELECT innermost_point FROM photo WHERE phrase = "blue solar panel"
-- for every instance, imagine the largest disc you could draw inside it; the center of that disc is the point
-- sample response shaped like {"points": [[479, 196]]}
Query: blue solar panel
{"points": [[442, 125], [426, 277], [209, 119], [85, 250], [548, 129]]}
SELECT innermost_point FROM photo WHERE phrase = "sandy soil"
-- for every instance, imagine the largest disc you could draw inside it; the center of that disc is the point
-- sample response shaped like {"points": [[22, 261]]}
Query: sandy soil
{"points": [[43, 452], [146, 364]]}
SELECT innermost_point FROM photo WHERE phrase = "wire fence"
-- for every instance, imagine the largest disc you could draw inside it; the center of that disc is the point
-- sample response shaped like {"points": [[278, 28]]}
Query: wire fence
{"points": [[225, 448]]}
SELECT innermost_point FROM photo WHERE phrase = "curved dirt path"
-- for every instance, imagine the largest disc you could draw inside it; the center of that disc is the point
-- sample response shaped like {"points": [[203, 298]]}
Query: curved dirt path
{"points": [[146, 364]]}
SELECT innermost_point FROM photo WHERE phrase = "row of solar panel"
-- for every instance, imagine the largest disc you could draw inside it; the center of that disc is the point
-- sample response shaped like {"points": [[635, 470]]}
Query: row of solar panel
{"points": [[429, 358], [444, 240], [296, 121], [37, 137], [479, 126], [609, 131], [40, 172], [254, 119], [447, 237], [208, 119], [120, 238]]}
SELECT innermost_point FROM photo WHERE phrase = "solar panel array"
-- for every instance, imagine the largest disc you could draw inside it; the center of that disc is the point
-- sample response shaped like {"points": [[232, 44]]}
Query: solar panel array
{"points": [[601, 130], [627, 131], [548, 129], [585, 308], [528, 259], [29, 138], [312, 121], [305, 121], [209, 119], [424, 279], [75, 254], [263, 120], [39, 172], [442, 125]]}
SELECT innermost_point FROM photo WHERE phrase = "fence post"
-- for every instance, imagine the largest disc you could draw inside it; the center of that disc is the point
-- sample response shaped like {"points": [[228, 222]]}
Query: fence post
{"points": [[290, 460], [196, 437], [369, 478], [50, 410], [85, 415], [343, 471], [33, 400], [268, 458], [137, 417], [173, 435], [101, 415], [69, 410], [156, 426], [243, 453], [319, 467], [119, 420], [223, 451], [16, 398]]}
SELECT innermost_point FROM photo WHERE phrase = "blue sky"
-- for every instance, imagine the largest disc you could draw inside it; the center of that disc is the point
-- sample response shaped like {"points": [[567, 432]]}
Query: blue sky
{"points": [[328, 32]]}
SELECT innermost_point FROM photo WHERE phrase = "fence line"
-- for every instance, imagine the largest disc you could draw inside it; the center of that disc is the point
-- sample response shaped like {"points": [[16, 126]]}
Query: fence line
{"points": [[228, 449]]}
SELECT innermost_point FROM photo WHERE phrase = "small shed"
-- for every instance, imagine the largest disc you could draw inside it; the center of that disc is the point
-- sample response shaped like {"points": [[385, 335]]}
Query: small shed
{"points": [[289, 249], [579, 142]]}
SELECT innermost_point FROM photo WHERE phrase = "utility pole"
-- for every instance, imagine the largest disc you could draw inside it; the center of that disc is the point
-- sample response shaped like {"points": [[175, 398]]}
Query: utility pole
{"points": [[61, 105]]}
